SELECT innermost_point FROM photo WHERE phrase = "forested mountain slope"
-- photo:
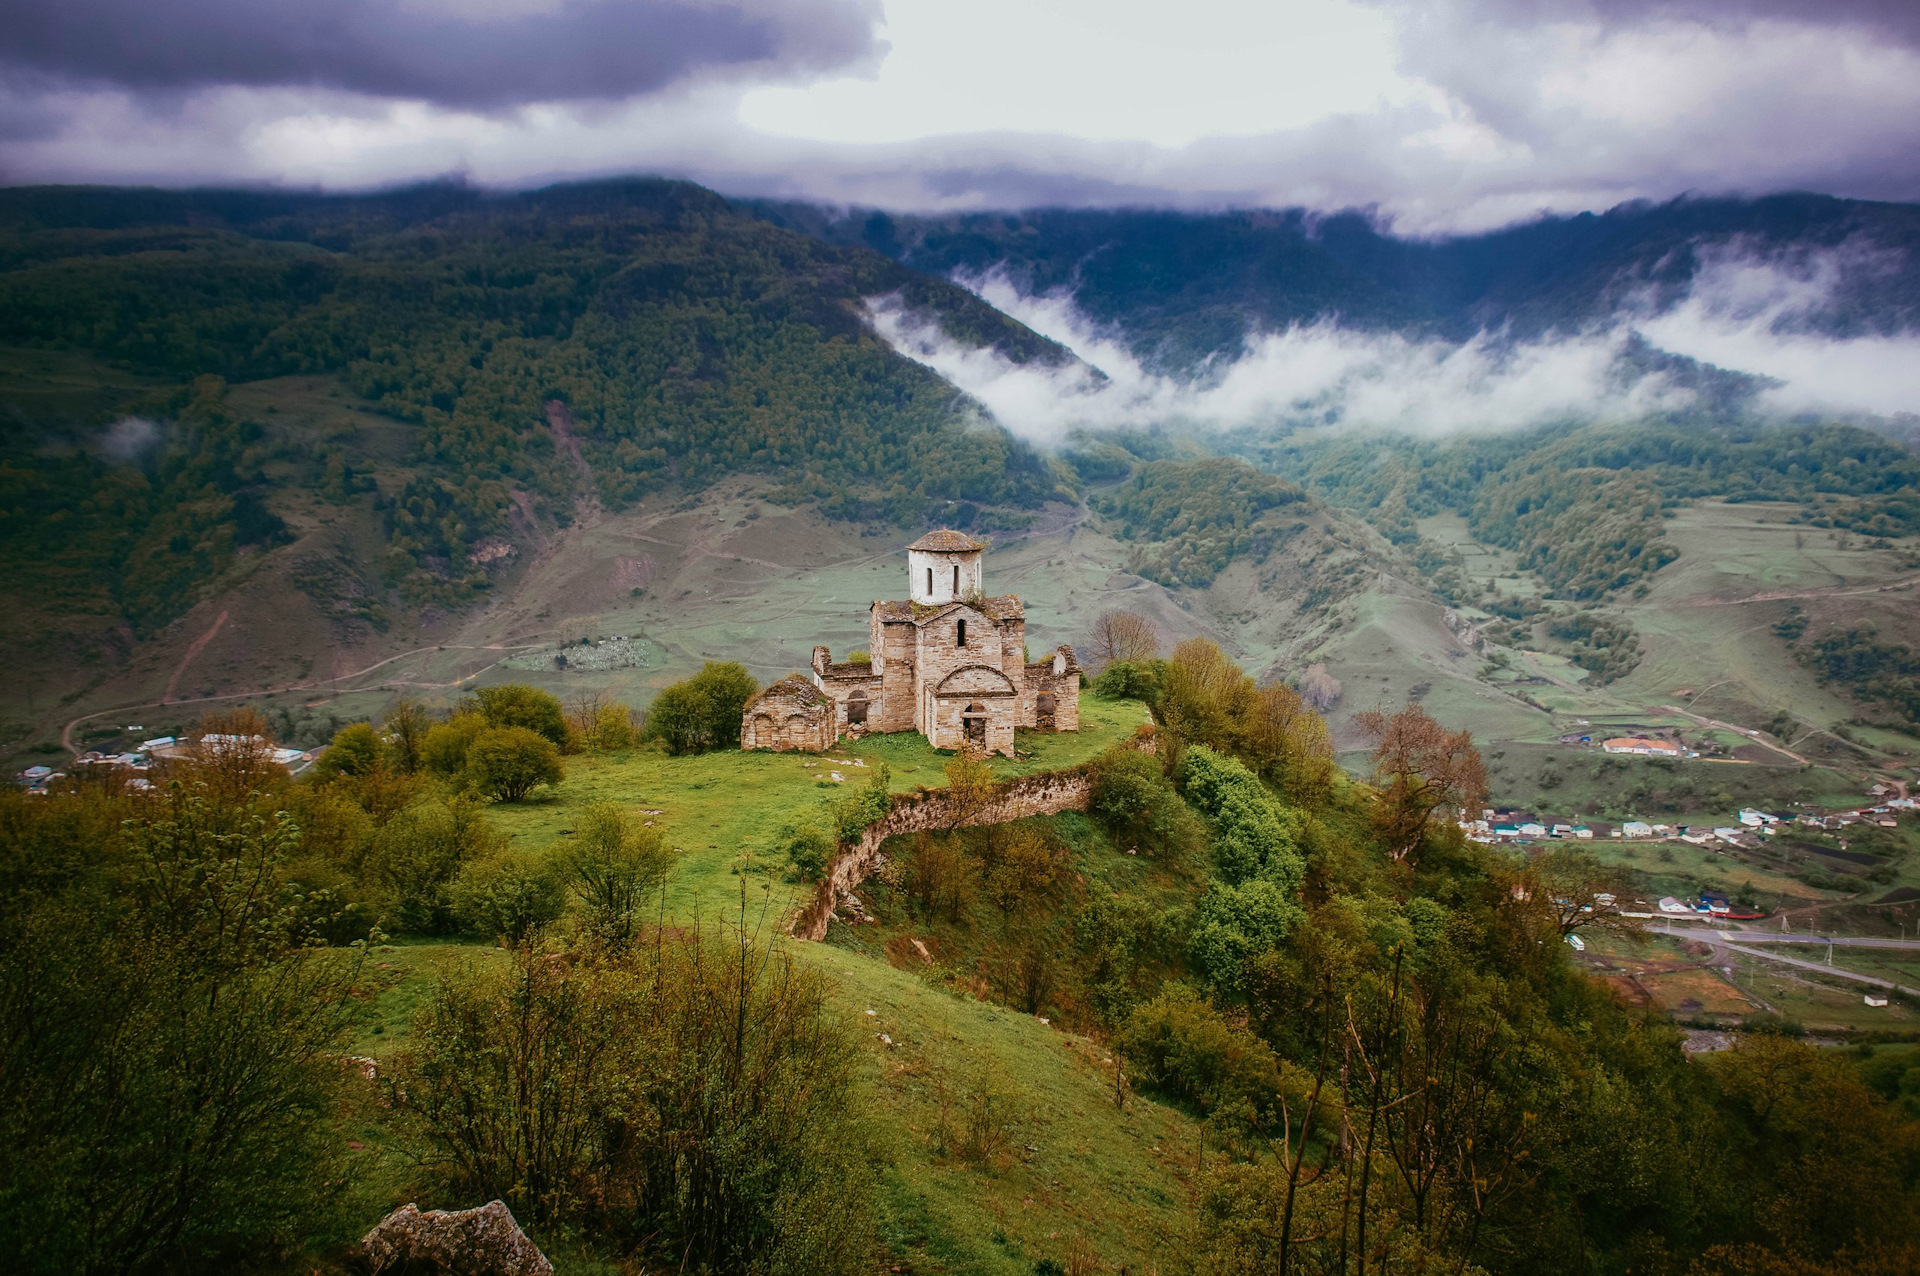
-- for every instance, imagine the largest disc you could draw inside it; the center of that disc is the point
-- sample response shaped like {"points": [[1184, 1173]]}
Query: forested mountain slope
{"points": [[595, 341], [1181, 287]]}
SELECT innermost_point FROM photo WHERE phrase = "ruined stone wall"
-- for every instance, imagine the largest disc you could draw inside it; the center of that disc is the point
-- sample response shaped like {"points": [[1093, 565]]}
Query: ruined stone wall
{"points": [[895, 645], [932, 810]]}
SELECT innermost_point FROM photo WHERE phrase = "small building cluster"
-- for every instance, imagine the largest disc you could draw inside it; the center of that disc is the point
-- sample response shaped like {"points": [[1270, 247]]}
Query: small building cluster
{"points": [[134, 765], [947, 661]]}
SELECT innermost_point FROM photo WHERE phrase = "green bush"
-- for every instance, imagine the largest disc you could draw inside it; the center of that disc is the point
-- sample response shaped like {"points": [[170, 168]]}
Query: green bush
{"points": [[809, 846], [416, 855], [507, 897], [1255, 836], [1131, 680], [613, 866], [514, 704], [169, 1057], [703, 712], [1180, 1045], [1235, 923], [443, 749], [508, 763], [1140, 809], [693, 1103], [357, 749]]}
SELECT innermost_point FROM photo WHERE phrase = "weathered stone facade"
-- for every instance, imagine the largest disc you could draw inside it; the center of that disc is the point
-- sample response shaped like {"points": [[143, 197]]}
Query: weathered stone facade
{"points": [[790, 714], [950, 662]]}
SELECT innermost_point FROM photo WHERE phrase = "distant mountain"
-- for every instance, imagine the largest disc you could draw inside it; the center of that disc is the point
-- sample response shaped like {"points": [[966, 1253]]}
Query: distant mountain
{"points": [[589, 342], [1185, 286]]}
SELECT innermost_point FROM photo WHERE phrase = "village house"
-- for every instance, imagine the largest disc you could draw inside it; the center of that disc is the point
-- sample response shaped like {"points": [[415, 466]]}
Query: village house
{"points": [[1641, 746], [947, 661]]}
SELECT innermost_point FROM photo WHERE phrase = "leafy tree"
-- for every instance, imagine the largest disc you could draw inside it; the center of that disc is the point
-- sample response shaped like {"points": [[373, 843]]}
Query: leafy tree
{"points": [[1141, 810], [612, 729], [168, 1061], [1235, 924], [1126, 680], [357, 750], [613, 866], [1181, 1045], [1255, 836], [514, 704], [703, 712], [510, 762], [407, 726], [1422, 771], [414, 857], [444, 748]]}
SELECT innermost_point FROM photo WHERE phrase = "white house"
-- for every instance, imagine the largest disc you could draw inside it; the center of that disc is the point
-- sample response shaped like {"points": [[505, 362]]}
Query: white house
{"points": [[1636, 828]]}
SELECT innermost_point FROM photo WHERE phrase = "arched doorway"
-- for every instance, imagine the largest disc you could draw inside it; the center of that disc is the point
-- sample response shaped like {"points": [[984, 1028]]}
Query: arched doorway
{"points": [[857, 705], [762, 736], [797, 736], [973, 723], [1043, 711]]}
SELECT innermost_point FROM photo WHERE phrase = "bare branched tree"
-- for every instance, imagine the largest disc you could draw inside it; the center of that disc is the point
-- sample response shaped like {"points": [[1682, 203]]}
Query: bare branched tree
{"points": [[1122, 635], [1319, 688]]}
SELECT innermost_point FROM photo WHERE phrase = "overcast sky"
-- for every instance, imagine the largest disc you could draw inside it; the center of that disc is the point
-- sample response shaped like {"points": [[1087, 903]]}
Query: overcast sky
{"points": [[1443, 114]]}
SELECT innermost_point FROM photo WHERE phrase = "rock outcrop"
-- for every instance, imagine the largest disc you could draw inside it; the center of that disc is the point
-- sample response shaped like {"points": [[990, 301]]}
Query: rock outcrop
{"points": [[477, 1242]]}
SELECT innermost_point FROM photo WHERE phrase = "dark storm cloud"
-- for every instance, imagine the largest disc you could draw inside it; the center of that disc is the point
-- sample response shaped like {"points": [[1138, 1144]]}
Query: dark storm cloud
{"points": [[474, 54]]}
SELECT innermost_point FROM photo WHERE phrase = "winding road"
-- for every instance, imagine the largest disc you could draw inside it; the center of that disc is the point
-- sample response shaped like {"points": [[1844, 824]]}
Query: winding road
{"points": [[66, 733]]}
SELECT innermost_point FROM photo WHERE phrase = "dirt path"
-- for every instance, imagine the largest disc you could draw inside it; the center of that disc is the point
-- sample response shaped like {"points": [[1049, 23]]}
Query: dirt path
{"points": [[66, 733], [1829, 591], [1737, 730], [193, 649]]}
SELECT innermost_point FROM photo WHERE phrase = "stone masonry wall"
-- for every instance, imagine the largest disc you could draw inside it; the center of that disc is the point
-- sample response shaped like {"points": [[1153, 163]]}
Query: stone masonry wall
{"points": [[930, 810]]}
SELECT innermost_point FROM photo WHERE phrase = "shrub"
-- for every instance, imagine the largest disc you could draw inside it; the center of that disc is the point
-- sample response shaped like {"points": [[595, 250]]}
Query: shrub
{"points": [[1234, 923], [415, 856], [1140, 809], [695, 1103], [1255, 836], [357, 749], [1131, 680], [514, 704], [510, 762], [443, 750], [1180, 1045], [703, 712], [612, 728], [171, 1053], [809, 846], [507, 897], [612, 867]]}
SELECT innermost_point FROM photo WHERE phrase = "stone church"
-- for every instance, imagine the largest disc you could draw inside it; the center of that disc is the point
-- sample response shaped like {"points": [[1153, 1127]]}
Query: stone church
{"points": [[947, 662]]}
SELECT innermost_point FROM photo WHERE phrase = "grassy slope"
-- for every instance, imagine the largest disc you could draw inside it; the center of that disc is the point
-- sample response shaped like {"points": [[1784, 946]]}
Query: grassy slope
{"points": [[1074, 1166]]}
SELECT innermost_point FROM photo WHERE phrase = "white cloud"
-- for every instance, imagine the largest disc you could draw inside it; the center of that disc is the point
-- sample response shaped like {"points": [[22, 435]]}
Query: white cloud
{"points": [[1764, 316], [1306, 375], [1744, 313]]}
